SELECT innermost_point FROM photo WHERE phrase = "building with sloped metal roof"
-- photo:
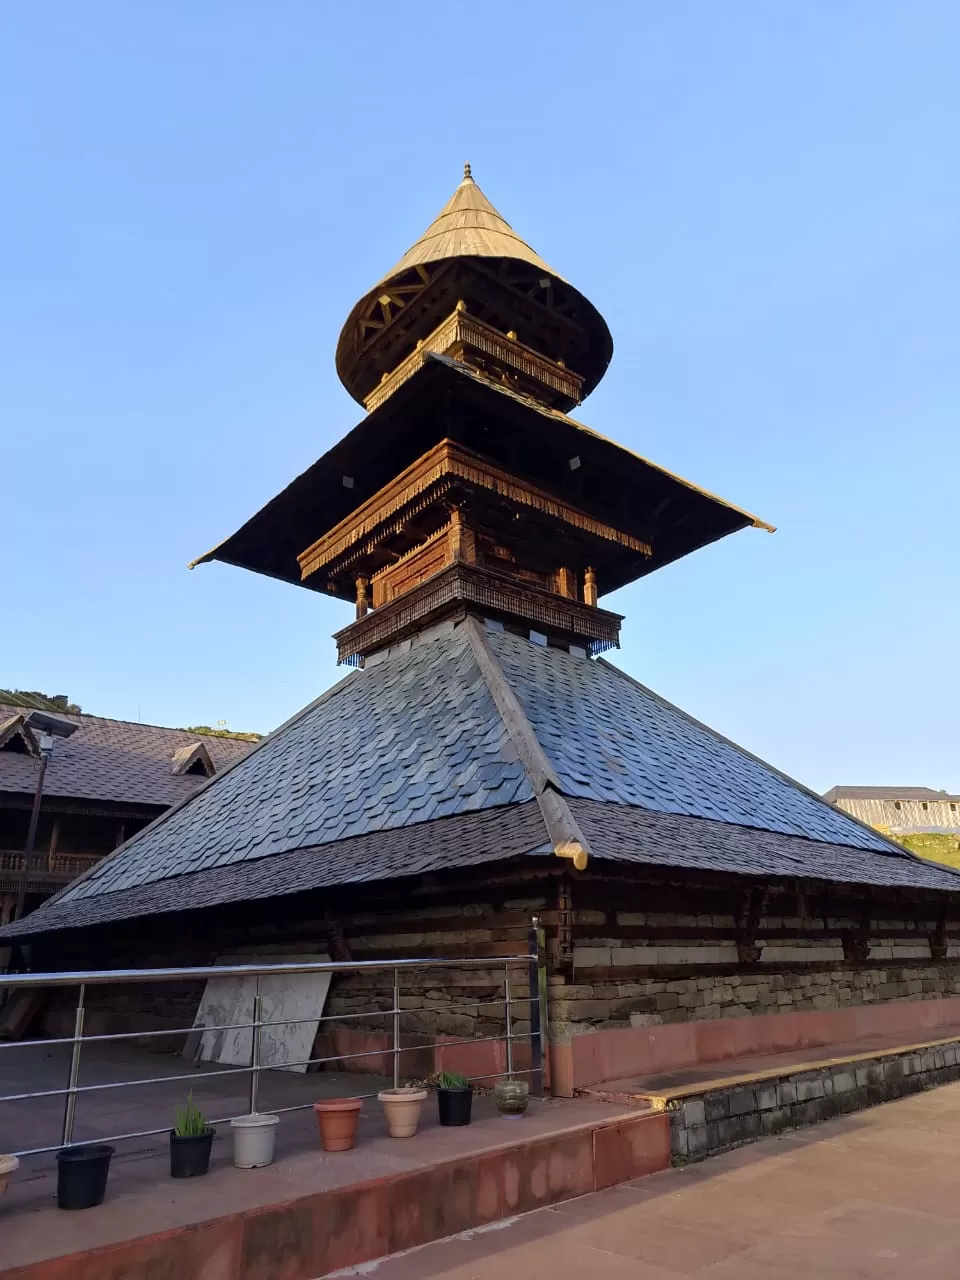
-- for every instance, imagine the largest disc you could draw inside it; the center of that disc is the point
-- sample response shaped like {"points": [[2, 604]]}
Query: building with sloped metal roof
{"points": [[483, 760], [900, 810]]}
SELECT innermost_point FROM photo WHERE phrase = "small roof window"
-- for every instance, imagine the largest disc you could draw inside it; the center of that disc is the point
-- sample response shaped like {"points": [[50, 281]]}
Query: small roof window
{"points": [[16, 737], [193, 759]]}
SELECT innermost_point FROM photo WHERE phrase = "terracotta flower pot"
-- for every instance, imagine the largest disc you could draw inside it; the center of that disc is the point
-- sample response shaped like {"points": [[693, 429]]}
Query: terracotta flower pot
{"points": [[402, 1110], [337, 1119], [8, 1165]]}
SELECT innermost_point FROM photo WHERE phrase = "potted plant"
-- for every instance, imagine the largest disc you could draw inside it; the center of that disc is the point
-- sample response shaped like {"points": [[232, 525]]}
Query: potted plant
{"points": [[8, 1165], [254, 1139], [454, 1098], [511, 1097], [402, 1109], [190, 1141], [337, 1119], [82, 1175]]}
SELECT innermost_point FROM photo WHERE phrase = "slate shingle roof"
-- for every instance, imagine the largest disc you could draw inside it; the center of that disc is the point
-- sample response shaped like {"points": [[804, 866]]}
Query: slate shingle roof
{"points": [[467, 840], [629, 834], [462, 746], [401, 743], [610, 738], [114, 760]]}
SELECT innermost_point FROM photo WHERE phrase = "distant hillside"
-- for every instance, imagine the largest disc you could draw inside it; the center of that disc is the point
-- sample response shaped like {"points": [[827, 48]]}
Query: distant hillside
{"points": [[936, 847], [56, 702], [59, 702]]}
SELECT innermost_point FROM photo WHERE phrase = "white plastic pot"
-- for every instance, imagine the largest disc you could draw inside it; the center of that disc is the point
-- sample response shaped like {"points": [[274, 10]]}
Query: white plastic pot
{"points": [[8, 1165], [254, 1139]]}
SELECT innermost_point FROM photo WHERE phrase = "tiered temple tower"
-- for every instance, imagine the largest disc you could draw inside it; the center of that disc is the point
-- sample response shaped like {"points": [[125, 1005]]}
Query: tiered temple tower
{"points": [[467, 487], [483, 762]]}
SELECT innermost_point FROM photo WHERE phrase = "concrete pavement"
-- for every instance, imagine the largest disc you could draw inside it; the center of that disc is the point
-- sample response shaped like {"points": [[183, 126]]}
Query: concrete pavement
{"points": [[875, 1195]]}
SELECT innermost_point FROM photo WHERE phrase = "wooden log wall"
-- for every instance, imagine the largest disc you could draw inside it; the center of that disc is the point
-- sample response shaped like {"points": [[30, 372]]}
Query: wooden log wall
{"points": [[625, 947]]}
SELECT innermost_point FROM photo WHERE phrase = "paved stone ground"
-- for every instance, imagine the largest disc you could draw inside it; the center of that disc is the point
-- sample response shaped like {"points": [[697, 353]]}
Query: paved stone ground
{"points": [[875, 1195]]}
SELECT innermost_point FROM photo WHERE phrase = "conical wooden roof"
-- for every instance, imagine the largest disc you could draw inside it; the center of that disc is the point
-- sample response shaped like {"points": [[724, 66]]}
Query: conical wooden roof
{"points": [[384, 325], [468, 226]]}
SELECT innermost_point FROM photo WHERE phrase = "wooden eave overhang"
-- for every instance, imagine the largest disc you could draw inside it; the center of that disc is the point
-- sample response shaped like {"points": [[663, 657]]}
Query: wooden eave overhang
{"points": [[445, 400], [443, 470]]}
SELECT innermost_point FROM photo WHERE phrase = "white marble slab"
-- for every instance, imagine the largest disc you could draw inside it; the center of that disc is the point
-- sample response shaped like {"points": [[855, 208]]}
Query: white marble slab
{"points": [[286, 996]]}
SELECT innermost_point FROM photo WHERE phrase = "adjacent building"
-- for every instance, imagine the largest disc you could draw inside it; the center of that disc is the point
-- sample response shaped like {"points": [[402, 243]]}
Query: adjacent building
{"points": [[102, 785], [901, 811]]}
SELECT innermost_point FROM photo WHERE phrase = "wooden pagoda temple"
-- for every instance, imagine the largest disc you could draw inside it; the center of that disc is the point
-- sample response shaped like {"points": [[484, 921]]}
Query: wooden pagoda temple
{"points": [[467, 486], [484, 760]]}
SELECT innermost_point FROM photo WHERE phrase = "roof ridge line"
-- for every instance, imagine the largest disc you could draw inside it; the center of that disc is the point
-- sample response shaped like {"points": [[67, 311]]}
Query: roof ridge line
{"points": [[180, 804], [562, 827], [801, 786]]}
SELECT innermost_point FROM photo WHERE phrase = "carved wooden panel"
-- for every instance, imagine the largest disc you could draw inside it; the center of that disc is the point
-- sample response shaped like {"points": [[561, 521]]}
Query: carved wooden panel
{"points": [[412, 569]]}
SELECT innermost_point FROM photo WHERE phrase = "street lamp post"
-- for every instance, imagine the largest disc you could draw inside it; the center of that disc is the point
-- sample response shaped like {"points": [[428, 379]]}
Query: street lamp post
{"points": [[49, 728]]}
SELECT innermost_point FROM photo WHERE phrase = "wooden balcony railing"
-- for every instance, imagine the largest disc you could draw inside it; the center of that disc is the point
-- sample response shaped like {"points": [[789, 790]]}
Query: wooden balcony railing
{"points": [[56, 867]]}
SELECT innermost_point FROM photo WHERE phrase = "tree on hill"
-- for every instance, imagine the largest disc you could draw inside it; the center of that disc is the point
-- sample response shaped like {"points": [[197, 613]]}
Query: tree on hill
{"points": [[55, 702], [222, 733]]}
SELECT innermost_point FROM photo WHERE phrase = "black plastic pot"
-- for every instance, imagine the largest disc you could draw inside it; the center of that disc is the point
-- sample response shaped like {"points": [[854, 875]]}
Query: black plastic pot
{"points": [[190, 1157], [454, 1105], [82, 1175]]}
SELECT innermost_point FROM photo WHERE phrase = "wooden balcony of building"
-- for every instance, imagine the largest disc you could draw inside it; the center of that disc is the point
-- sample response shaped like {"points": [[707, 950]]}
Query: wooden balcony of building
{"points": [[48, 872]]}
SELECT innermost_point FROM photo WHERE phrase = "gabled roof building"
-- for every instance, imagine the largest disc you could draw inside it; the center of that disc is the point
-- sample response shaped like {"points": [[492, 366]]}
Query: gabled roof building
{"points": [[102, 785], [900, 810], [483, 759]]}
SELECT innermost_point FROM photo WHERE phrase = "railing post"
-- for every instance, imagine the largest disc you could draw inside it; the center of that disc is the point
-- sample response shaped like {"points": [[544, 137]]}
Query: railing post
{"points": [[538, 1005], [70, 1105], [508, 1018], [255, 1049], [396, 1028]]}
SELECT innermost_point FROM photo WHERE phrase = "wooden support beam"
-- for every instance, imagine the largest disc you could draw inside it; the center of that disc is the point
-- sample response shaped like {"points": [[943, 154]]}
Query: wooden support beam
{"points": [[363, 596], [856, 943], [567, 583], [748, 949], [565, 928], [339, 947], [938, 939]]}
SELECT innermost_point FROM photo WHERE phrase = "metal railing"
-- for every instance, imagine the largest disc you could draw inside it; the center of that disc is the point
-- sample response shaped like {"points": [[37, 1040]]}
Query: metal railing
{"points": [[534, 963]]}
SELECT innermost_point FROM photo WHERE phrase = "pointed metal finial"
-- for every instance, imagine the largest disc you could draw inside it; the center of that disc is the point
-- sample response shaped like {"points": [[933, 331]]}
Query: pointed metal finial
{"points": [[467, 174]]}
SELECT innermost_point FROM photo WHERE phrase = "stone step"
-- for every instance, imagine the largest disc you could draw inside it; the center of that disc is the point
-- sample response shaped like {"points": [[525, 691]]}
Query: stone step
{"points": [[713, 1114]]}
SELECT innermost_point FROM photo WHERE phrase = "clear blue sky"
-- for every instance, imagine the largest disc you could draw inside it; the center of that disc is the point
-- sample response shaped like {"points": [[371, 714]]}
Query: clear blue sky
{"points": [[762, 198]]}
